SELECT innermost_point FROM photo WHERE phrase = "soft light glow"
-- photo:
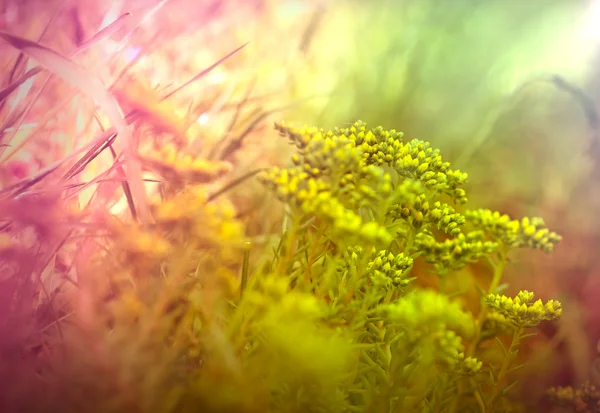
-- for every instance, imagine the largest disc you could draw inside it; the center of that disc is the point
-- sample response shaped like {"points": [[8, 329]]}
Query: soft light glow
{"points": [[202, 119], [217, 77], [132, 53], [591, 25]]}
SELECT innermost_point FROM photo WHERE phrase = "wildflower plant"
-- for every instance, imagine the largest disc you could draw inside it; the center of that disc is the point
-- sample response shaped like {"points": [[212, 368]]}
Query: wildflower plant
{"points": [[333, 319], [364, 205]]}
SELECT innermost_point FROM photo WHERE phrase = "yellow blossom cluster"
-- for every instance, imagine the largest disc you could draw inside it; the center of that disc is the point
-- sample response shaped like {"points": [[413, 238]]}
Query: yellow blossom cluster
{"points": [[454, 253], [390, 270], [521, 312], [528, 232], [413, 160], [177, 168]]}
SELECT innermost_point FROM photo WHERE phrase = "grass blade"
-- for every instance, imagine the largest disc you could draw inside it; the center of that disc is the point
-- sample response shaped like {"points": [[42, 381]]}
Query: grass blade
{"points": [[206, 71], [245, 268], [103, 33], [146, 18], [93, 87], [233, 184], [17, 188]]}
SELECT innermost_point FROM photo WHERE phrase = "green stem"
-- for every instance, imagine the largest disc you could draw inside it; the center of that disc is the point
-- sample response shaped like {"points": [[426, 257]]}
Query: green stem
{"points": [[505, 365], [442, 283], [472, 345], [498, 272], [245, 267]]}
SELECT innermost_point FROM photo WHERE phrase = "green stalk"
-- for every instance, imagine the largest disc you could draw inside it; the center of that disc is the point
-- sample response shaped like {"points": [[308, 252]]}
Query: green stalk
{"points": [[504, 368], [498, 272], [472, 345], [245, 266]]}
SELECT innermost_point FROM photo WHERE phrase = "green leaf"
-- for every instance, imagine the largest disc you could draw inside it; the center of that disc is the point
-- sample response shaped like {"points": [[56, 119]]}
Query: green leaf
{"points": [[509, 387], [501, 345], [524, 336], [453, 295], [480, 290], [493, 375], [515, 368]]}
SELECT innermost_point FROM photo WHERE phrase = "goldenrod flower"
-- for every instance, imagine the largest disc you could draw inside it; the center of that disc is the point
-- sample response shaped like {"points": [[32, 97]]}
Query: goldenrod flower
{"points": [[521, 311]]}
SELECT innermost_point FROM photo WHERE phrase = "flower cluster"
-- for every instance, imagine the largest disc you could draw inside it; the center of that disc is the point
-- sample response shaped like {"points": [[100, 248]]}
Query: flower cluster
{"points": [[418, 211], [424, 311], [141, 250], [188, 217], [381, 203], [272, 289], [585, 399], [389, 270], [495, 324], [454, 253], [348, 264], [426, 317], [418, 160], [529, 232], [176, 168], [450, 353], [328, 183], [338, 172], [413, 160], [521, 311]]}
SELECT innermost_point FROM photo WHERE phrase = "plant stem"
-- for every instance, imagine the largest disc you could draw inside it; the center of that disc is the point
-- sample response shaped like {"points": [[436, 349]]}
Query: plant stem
{"points": [[313, 252], [498, 271], [504, 368], [245, 266], [472, 345]]}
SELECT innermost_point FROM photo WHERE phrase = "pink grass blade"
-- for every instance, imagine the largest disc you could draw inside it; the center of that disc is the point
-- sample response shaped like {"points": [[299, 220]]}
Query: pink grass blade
{"points": [[17, 188], [145, 18], [111, 14], [205, 71], [23, 115], [38, 126], [101, 35], [93, 87]]}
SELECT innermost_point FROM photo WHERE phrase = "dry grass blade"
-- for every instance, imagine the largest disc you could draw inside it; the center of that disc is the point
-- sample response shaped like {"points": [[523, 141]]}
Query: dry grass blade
{"points": [[147, 50], [20, 60], [23, 186], [205, 71], [236, 143], [233, 184], [56, 13], [102, 34], [236, 115], [38, 126], [125, 185], [4, 93], [104, 176], [92, 86], [87, 158], [21, 118], [17, 188], [144, 19]]}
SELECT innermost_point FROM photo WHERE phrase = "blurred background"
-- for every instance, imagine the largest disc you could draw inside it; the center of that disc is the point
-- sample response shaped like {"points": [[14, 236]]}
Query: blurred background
{"points": [[507, 89]]}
